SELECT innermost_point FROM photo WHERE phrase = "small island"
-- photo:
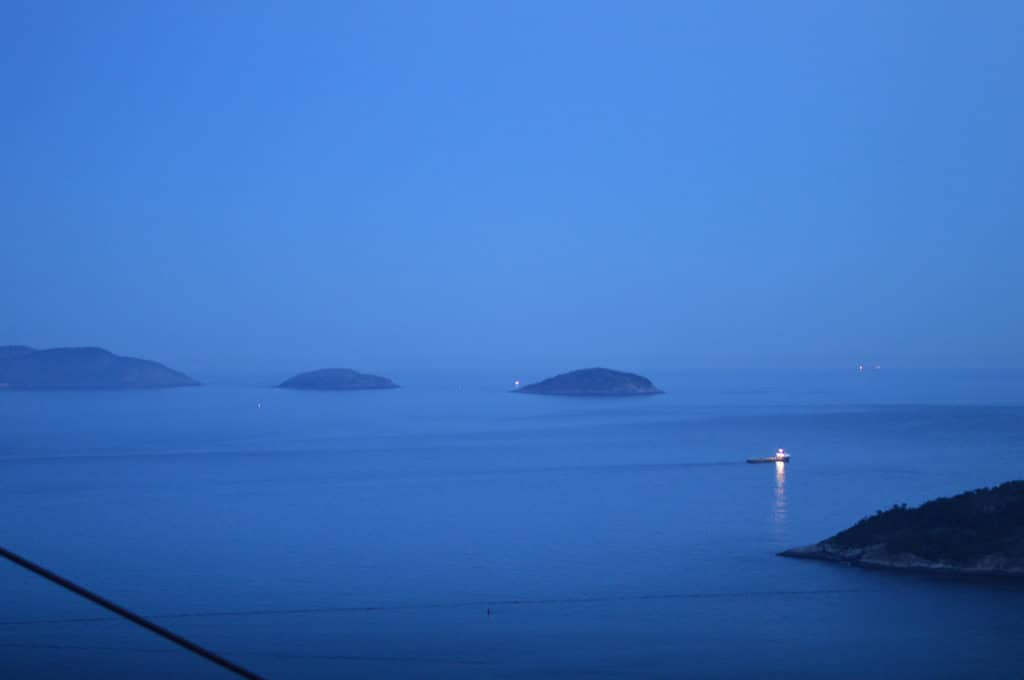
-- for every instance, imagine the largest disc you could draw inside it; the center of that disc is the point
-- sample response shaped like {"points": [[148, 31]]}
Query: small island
{"points": [[979, 533], [337, 379], [82, 368], [593, 382]]}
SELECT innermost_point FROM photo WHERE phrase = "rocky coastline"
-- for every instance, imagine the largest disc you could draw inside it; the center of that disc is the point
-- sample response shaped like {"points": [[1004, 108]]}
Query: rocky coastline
{"points": [[976, 533]]}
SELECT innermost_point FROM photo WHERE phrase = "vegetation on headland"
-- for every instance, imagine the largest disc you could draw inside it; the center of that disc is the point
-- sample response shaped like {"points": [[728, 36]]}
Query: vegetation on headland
{"points": [[965, 527], [980, 531]]}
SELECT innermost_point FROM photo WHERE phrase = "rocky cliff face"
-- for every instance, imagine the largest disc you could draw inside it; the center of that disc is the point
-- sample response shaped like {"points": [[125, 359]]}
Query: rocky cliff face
{"points": [[878, 556]]}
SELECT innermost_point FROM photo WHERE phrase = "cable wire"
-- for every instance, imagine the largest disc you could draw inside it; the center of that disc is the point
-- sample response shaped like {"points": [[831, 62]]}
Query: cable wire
{"points": [[131, 616]]}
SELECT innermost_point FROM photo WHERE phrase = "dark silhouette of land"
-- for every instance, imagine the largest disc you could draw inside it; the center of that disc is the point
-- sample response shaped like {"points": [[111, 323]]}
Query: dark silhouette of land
{"points": [[978, 532], [82, 368], [593, 382], [337, 379]]}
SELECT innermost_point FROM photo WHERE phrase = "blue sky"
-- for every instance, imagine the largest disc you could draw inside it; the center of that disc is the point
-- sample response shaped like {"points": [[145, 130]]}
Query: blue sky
{"points": [[643, 185]]}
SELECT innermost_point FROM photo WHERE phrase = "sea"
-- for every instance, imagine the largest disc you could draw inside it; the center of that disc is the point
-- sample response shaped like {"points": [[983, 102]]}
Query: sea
{"points": [[452, 529]]}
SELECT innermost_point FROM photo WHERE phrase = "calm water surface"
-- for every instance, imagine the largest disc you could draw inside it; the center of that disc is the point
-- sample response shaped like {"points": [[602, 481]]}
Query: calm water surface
{"points": [[367, 534]]}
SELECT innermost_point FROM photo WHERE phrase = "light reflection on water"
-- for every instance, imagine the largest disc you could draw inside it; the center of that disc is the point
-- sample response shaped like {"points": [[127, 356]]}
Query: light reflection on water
{"points": [[780, 495]]}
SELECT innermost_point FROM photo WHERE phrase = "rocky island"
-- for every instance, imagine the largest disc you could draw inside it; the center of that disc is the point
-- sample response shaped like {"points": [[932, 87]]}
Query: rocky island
{"points": [[593, 382], [979, 532], [337, 379], [82, 368]]}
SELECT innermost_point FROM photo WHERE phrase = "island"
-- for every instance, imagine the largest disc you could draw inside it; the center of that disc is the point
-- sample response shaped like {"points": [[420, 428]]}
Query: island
{"points": [[82, 368], [979, 533], [337, 379], [593, 382]]}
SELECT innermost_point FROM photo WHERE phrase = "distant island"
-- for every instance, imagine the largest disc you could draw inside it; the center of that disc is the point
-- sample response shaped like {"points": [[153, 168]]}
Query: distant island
{"points": [[82, 368], [593, 382], [337, 379], [979, 532]]}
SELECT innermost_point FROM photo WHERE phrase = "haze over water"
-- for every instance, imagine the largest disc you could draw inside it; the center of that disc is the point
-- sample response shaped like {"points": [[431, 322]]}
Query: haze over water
{"points": [[318, 534]]}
